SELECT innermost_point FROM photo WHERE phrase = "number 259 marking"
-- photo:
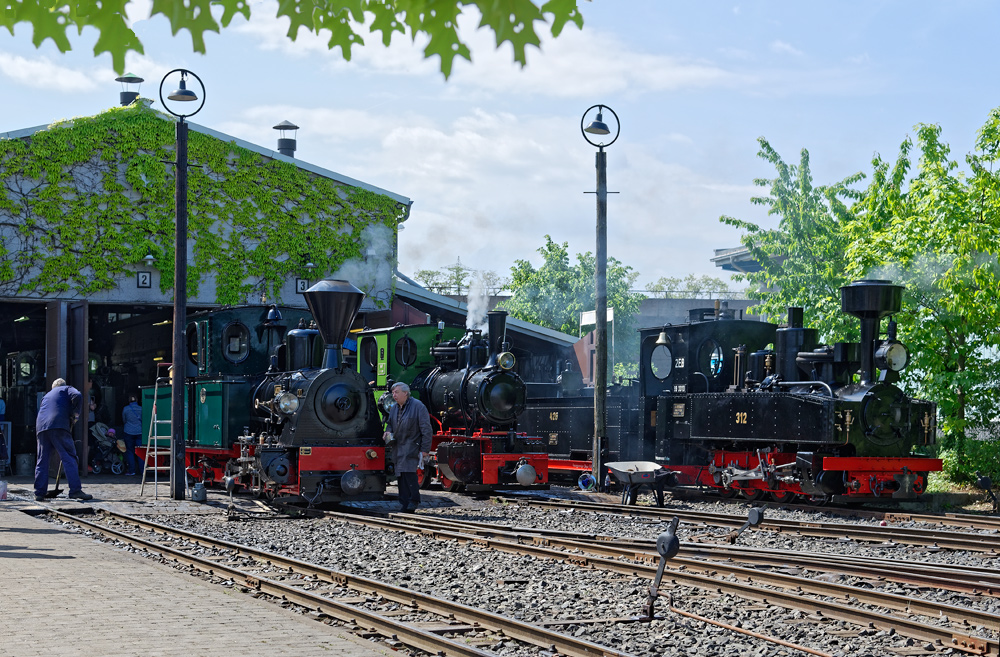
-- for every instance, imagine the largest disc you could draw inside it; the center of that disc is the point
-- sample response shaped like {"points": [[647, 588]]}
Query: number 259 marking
{"points": [[741, 418]]}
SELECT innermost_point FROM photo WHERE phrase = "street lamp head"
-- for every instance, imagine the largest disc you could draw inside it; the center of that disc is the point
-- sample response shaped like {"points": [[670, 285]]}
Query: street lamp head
{"points": [[599, 127], [149, 259], [182, 93]]}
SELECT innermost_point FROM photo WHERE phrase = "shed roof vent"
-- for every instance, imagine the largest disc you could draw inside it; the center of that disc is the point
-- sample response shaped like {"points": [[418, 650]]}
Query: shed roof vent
{"points": [[286, 144]]}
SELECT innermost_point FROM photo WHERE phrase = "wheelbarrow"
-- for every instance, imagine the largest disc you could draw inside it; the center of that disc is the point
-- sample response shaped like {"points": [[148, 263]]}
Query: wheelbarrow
{"points": [[636, 474]]}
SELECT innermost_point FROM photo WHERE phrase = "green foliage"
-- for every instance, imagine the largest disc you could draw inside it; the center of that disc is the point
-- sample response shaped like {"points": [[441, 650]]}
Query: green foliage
{"points": [[939, 235], [802, 259], [689, 287], [556, 293], [934, 229], [512, 21], [459, 279], [86, 200], [967, 457]]}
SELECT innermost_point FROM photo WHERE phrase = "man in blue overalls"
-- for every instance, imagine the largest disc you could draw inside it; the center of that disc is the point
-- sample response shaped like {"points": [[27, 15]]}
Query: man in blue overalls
{"points": [[59, 410]]}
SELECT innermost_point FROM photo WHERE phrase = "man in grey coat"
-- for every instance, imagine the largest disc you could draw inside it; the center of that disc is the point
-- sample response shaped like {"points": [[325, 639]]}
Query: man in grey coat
{"points": [[409, 430]]}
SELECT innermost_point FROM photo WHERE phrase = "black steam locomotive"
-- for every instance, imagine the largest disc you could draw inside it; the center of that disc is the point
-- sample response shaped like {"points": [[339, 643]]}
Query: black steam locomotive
{"points": [[752, 409], [722, 408], [473, 395], [308, 427]]}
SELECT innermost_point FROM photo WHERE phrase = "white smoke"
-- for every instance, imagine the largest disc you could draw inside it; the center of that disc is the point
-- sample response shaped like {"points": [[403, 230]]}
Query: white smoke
{"points": [[372, 272], [478, 304]]}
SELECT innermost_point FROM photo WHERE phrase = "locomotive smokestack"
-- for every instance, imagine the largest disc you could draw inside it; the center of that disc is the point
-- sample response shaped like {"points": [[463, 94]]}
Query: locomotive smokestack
{"points": [[497, 328], [870, 301], [333, 305]]}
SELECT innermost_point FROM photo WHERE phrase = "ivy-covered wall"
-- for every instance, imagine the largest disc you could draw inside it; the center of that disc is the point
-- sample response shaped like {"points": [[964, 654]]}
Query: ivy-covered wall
{"points": [[85, 200]]}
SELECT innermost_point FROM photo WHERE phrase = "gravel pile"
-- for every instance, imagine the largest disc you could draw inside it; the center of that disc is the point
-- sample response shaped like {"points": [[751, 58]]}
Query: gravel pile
{"points": [[535, 590]]}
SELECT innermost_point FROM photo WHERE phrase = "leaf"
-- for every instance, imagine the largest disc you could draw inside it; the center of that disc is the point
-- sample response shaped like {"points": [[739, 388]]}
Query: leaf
{"points": [[231, 8], [513, 21], [193, 15], [563, 11], [300, 13]]}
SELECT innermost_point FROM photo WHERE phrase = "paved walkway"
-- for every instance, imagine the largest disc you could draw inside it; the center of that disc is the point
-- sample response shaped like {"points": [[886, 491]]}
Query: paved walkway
{"points": [[65, 595]]}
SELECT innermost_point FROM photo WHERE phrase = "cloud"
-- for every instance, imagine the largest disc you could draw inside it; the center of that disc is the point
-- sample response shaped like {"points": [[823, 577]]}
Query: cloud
{"points": [[783, 48], [42, 73], [576, 65]]}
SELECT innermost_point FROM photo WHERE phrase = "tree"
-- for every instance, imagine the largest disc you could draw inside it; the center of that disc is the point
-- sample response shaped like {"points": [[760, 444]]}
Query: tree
{"points": [[556, 293], [689, 287], [458, 279], [511, 21], [802, 260], [939, 235], [432, 279]]}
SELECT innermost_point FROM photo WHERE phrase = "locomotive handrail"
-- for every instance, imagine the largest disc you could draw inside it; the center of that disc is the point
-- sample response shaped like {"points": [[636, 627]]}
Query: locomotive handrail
{"points": [[708, 386], [793, 384]]}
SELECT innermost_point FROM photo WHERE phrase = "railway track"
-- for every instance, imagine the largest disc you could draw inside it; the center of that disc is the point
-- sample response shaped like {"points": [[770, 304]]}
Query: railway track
{"points": [[964, 579], [453, 618], [820, 599], [966, 520], [930, 537]]}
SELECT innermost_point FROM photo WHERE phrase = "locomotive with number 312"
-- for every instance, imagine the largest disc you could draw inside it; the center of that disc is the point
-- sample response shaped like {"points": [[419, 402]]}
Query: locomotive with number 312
{"points": [[749, 408]]}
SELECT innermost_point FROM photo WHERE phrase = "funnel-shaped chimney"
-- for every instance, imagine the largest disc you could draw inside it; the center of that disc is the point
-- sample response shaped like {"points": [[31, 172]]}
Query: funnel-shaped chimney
{"points": [[870, 301], [333, 305]]}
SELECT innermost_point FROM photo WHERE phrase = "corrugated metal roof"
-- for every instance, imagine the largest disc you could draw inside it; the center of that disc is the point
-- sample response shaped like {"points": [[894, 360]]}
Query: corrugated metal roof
{"points": [[406, 290]]}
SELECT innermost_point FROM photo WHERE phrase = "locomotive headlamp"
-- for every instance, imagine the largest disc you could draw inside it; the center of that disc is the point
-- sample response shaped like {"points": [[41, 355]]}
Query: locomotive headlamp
{"points": [[891, 355], [506, 360], [287, 403]]}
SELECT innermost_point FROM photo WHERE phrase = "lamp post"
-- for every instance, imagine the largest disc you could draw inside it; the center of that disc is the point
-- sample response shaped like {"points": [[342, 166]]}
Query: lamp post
{"points": [[178, 469], [600, 128]]}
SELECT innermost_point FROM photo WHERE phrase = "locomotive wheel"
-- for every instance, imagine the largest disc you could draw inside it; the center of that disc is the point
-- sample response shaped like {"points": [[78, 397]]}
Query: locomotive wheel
{"points": [[752, 494], [782, 497], [727, 493], [424, 476], [818, 500]]}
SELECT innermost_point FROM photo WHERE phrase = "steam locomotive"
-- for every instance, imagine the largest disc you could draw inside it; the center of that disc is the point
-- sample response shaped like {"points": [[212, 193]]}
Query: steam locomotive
{"points": [[307, 428], [474, 398], [724, 409], [747, 408]]}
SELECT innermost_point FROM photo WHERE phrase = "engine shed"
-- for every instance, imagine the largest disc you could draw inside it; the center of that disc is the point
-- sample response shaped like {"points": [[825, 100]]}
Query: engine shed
{"points": [[86, 246]]}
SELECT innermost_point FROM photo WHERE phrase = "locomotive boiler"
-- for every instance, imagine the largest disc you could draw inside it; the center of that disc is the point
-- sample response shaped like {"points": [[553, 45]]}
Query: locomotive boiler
{"points": [[748, 408], [474, 398]]}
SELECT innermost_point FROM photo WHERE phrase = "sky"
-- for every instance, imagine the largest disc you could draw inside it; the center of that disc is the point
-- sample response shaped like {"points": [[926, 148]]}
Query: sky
{"points": [[494, 158]]}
